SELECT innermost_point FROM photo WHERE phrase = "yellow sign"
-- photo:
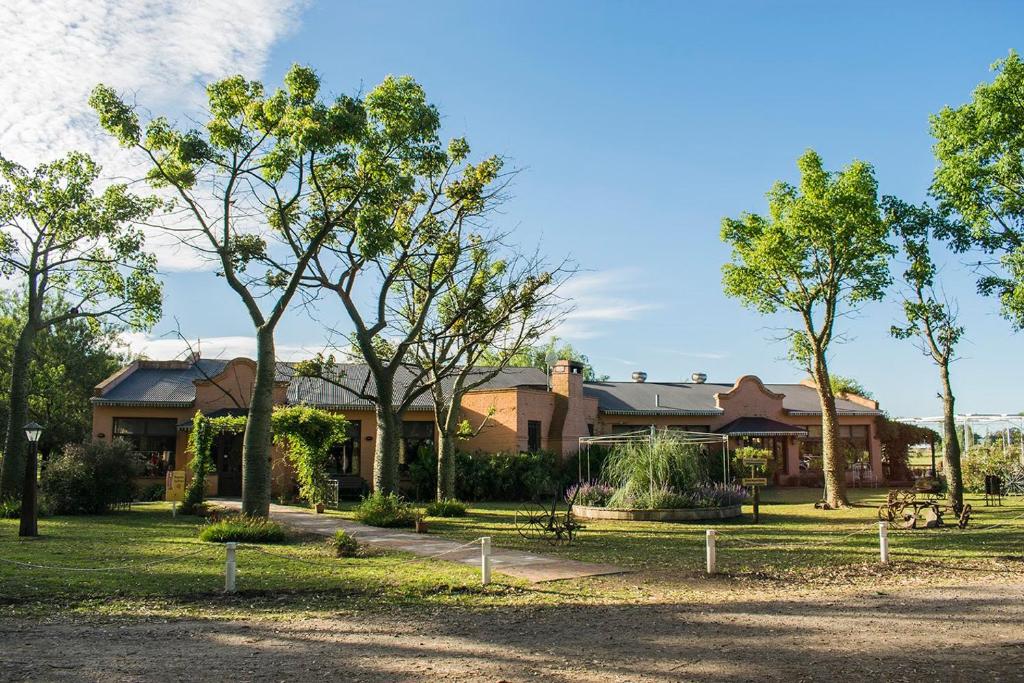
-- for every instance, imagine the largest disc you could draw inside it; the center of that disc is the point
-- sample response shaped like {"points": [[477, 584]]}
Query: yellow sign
{"points": [[755, 461], [755, 481], [175, 485]]}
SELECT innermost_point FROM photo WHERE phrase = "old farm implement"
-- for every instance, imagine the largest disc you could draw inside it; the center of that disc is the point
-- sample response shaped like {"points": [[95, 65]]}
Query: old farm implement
{"points": [[537, 521], [913, 510]]}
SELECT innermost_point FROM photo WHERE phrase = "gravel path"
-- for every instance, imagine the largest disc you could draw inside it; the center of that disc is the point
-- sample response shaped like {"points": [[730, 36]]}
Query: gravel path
{"points": [[969, 633]]}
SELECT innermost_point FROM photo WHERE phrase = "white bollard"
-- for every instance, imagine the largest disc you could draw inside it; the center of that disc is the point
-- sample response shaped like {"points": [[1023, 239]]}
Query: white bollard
{"points": [[229, 568], [174, 509], [883, 541], [712, 565], [485, 560]]}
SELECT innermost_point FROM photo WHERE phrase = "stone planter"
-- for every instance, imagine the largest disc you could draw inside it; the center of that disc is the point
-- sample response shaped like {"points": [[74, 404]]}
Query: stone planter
{"points": [[664, 515]]}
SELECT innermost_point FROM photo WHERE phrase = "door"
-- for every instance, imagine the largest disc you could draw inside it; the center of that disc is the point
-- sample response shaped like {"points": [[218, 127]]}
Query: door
{"points": [[228, 451]]}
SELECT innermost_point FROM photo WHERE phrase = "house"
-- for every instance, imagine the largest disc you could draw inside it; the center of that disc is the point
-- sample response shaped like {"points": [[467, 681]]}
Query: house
{"points": [[151, 404]]}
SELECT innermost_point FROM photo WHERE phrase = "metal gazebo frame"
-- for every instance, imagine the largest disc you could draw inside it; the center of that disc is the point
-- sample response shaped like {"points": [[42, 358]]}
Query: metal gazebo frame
{"points": [[651, 434]]}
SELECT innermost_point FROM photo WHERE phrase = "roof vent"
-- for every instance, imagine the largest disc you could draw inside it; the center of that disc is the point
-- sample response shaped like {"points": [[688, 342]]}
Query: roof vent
{"points": [[640, 376], [699, 378]]}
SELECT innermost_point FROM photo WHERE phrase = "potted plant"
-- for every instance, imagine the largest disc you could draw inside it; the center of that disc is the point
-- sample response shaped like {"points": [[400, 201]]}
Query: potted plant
{"points": [[421, 524], [320, 508]]}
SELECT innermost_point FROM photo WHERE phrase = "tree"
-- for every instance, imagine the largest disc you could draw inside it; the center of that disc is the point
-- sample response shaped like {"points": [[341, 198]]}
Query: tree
{"points": [[538, 356], [257, 193], [76, 255], [848, 385], [980, 176], [68, 361], [821, 251], [496, 306], [408, 236], [931, 320]]}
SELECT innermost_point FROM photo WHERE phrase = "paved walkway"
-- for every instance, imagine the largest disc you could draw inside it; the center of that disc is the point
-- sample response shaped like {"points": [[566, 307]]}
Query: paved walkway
{"points": [[516, 563]]}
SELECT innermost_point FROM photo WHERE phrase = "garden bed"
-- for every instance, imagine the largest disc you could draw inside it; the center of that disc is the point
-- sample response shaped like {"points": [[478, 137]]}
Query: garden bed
{"points": [[656, 515]]}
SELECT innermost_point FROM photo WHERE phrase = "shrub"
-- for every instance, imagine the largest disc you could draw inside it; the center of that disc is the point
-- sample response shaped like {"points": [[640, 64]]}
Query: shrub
{"points": [[589, 493], [242, 529], [90, 478], [449, 507], [505, 476], [151, 493], [638, 469], [716, 495], [10, 508], [343, 544], [981, 460], [385, 510]]}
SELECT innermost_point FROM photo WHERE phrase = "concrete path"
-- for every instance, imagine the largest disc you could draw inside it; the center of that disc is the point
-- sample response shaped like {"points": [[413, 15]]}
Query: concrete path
{"points": [[516, 563]]}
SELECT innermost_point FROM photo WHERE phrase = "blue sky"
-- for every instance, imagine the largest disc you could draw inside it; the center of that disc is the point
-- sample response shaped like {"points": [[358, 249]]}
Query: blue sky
{"points": [[637, 127]]}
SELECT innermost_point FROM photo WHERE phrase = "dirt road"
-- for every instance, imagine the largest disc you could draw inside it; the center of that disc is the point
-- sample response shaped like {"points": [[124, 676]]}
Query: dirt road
{"points": [[971, 633]]}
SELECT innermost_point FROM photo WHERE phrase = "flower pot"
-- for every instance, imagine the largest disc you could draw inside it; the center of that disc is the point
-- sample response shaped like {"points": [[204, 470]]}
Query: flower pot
{"points": [[421, 526], [319, 508]]}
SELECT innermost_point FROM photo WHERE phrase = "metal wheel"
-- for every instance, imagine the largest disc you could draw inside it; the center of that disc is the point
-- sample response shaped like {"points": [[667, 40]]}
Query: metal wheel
{"points": [[533, 522]]}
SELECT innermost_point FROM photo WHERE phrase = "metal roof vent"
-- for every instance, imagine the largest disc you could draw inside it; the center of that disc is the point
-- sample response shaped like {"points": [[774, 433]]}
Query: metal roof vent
{"points": [[699, 377], [640, 376]]}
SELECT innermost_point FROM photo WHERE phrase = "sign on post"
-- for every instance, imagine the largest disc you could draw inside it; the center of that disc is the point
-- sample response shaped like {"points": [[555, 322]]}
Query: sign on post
{"points": [[175, 482], [754, 481]]}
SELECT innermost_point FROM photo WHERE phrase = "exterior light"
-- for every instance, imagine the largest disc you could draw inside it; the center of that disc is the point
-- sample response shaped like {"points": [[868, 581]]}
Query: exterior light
{"points": [[33, 431]]}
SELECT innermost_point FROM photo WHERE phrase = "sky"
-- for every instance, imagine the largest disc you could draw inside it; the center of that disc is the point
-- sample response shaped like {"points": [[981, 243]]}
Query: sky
{"points": [[635, 128]]}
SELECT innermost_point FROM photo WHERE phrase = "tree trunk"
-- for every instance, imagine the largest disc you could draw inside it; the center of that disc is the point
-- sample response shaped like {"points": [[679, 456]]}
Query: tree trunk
{"points": [[950, 444], [256, 448], [385, 457], [447, 437], [833, 461], [12, 472]]}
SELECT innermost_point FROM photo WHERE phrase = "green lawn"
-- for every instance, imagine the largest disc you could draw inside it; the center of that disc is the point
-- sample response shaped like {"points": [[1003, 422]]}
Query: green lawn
{"points": [[795, 546]]}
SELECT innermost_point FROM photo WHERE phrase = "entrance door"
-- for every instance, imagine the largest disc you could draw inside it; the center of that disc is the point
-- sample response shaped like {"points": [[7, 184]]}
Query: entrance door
{"points": [[227, 449]]}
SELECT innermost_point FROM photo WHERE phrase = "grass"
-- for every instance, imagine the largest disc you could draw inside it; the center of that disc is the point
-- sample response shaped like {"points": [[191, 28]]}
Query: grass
{"points": [[164, 569]]}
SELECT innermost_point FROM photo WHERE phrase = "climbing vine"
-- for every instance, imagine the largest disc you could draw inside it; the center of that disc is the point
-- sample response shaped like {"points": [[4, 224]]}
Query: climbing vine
{"points": [[307, 434]]}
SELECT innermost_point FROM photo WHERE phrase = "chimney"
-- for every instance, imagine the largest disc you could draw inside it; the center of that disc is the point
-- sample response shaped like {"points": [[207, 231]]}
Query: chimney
{"points": [[699, 378], [639, 376]]}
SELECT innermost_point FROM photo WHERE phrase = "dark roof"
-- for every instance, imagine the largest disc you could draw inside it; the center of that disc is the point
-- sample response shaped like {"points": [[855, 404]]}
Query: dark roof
{"points": [[169, 384], [688, 398], [759, 426]]}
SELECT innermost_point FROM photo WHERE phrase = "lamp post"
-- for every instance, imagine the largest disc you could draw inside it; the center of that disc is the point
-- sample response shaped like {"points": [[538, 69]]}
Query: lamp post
{"points": [[29, 525]]}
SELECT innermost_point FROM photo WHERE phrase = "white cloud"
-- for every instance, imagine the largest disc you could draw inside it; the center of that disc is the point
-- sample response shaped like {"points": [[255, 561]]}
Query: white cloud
{"points": [[603, 300], [164, 52], [170, 347]]}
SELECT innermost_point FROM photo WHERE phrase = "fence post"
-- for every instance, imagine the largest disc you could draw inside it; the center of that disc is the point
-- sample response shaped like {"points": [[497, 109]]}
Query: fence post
{"points": [[485, 560], [883, 541], [174, 509], [229, 567], [712, 559]]}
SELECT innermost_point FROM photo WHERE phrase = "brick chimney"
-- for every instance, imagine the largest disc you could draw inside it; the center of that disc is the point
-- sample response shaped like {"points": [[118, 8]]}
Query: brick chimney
{"points": [[568, 421]]}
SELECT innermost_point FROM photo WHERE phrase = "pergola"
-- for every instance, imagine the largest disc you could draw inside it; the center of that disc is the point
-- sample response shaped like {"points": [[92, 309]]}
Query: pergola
{"points": [[1002, 421], [649, 436]]}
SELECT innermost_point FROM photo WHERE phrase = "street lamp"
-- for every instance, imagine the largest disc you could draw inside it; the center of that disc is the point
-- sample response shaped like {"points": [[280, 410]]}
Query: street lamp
{"points": [[29, 508]]}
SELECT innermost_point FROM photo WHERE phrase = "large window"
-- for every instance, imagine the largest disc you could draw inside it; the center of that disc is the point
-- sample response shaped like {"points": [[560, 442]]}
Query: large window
{"points": [[345, 456], [154, 438], [689, 428], [417, 438], [853, 443], [533, 436]]}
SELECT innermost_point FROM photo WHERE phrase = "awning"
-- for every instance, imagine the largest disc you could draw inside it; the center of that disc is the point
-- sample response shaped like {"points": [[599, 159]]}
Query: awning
{"points": [[760, 426]]}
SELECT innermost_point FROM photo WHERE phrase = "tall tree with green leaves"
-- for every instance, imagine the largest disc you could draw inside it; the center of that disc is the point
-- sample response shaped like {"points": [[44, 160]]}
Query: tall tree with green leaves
{"points": [[821, 251], [257, 191], [76, 254], [980, 177], [407, 236], [68, 361], [541, 355], [931, 320]]}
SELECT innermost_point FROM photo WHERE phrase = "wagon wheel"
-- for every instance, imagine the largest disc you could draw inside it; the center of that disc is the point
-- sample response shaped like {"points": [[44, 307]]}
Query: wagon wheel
{"points": [[533, 522]]}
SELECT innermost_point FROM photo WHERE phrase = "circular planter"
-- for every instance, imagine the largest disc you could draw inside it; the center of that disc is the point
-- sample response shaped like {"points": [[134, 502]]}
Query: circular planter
{"points": [[664, 515]]}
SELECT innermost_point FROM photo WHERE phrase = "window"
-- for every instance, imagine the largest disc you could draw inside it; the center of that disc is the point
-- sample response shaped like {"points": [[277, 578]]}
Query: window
{"points": [[345, 457], [154, 438], [689, 428], [417, 438], [533, 436], [853, 443]]}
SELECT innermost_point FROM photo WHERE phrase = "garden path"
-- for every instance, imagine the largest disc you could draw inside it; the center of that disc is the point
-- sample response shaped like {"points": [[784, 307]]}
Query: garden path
{"points": [[516, 563]]}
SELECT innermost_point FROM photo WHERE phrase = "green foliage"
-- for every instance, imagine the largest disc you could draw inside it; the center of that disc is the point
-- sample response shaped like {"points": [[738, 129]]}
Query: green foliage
{"points": [[590, 493], [309, 434], [505, 476], [448, 507], [10, 508], [848, 385], [200, 441], [152, 493], [385, 510], [896, 439], [89, 478], [68, 360], [343, 544], [423, 473], [243, 529], [537, 357], [641, 470], [980, 176], [978, 461]]}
